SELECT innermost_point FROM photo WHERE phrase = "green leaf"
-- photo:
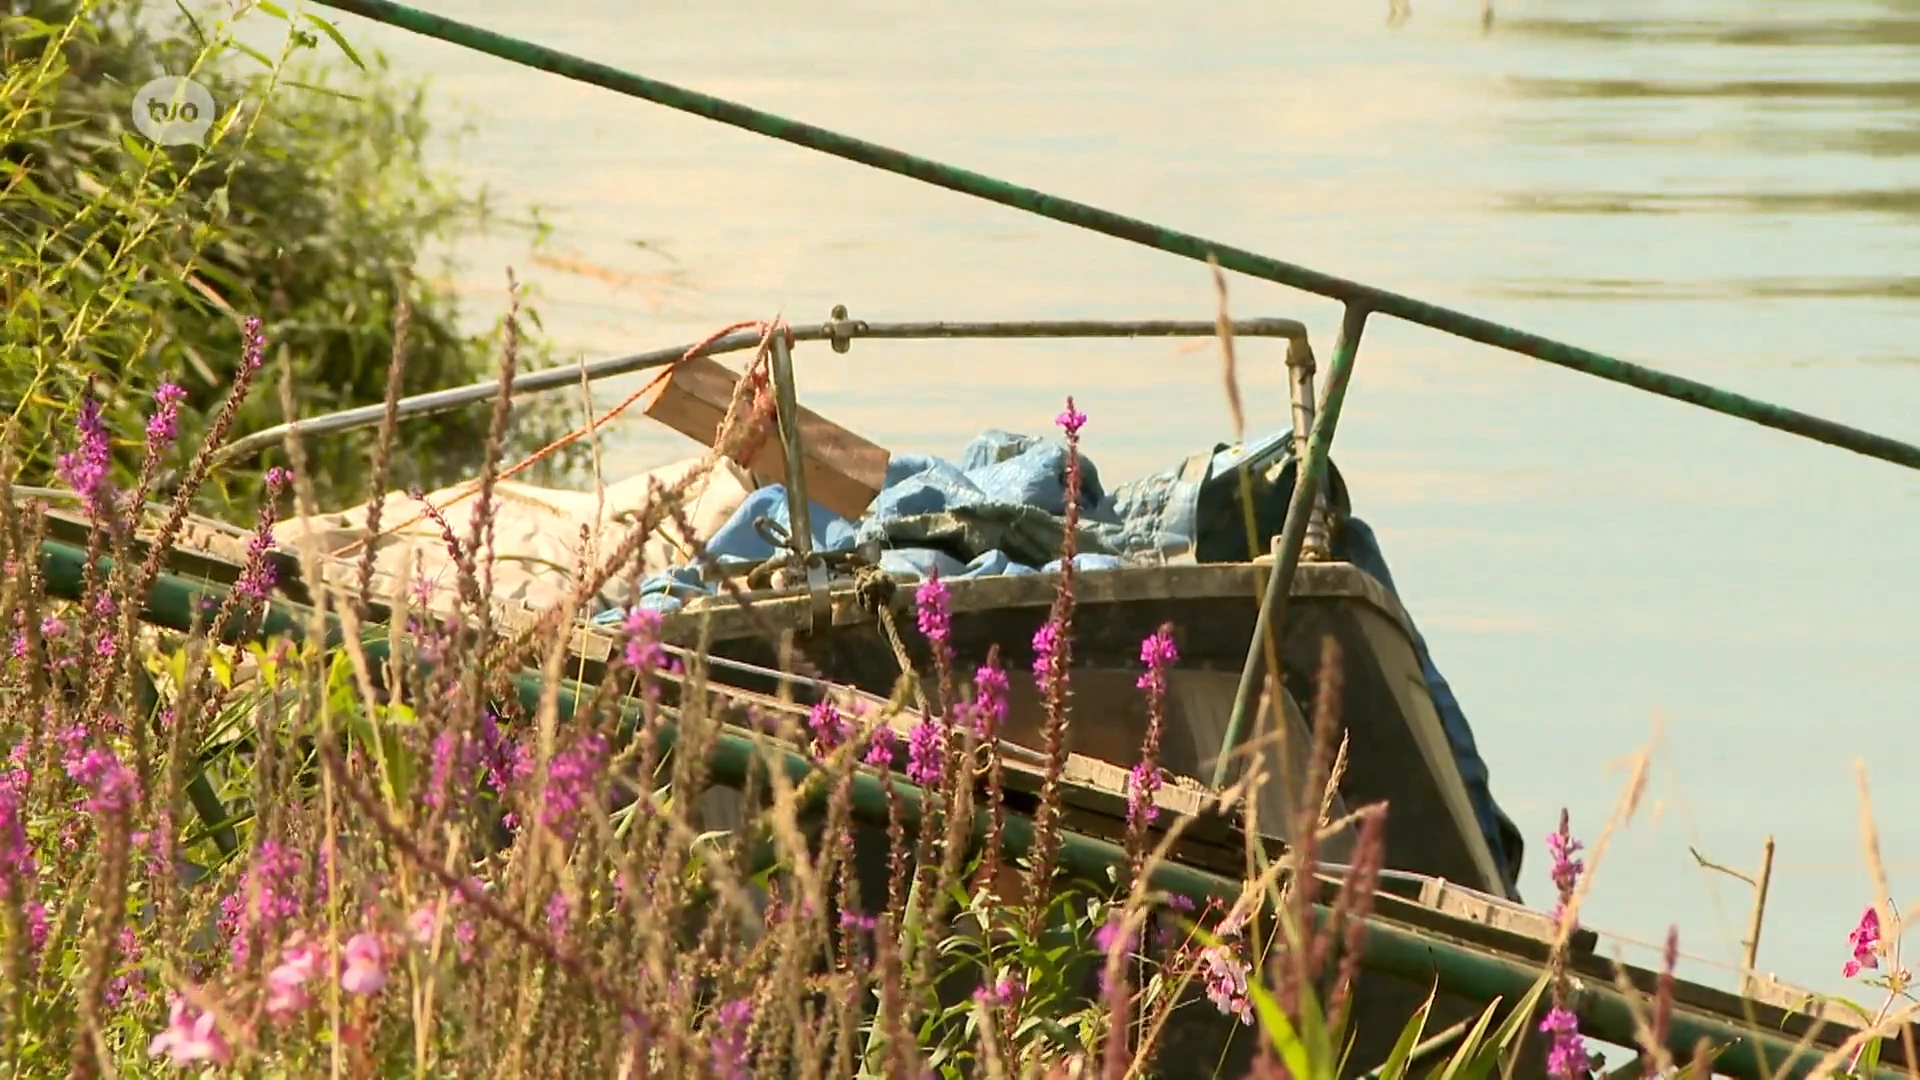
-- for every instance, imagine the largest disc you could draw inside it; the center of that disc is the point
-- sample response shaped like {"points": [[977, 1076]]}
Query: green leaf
{"points": [[1511, 1032], [1279, 1031], [131, 145], [316, 88], [1869, 1057], [1396, 1064], [251, 52], [339, 41], [1469, 1047]]}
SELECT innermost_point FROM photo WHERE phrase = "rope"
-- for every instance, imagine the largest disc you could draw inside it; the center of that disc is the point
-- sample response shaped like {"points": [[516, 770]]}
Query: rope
{"points": [[756, 373], [874, 590]]}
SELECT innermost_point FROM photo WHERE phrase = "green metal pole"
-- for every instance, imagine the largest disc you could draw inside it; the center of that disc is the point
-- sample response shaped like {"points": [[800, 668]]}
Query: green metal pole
{"points": [[1386, 947], [1308, 476], [1122, 227]]}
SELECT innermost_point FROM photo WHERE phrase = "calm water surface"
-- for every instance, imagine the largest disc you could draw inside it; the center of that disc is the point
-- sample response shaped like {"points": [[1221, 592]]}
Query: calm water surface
{"points": [[1730, 190]]}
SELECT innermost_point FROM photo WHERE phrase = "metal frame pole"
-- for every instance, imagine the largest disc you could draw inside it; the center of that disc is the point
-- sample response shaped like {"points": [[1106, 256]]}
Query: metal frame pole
{"points": [[1309, 475]]}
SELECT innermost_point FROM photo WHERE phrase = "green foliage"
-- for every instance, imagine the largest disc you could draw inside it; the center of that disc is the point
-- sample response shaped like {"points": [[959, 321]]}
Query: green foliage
{"points": [[312, 208]]}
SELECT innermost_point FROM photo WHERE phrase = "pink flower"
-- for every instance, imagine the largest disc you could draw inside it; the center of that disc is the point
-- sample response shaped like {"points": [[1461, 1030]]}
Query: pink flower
{"points": [[1226, 982], [420, 924], [190, 1036], [287, 982], [1072, 420], [830, 729], [926, 749], [935, 610], [880, 747], [1865, 941], [366, 969]]}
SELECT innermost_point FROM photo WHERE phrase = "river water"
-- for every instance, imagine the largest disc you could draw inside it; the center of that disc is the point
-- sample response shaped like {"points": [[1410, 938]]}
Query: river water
{"points": [[1727, 189]]}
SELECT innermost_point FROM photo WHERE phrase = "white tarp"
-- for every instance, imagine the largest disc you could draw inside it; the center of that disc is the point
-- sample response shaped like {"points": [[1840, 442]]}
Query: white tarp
{"points": [[537, 533]]}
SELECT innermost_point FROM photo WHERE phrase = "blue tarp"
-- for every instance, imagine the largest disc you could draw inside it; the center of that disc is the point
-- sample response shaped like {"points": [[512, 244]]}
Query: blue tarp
{"points": [[998, 511]]}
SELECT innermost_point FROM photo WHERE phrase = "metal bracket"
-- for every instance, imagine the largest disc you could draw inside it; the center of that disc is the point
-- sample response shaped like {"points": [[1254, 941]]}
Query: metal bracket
{"points": [[840, 330], [786, 399]]}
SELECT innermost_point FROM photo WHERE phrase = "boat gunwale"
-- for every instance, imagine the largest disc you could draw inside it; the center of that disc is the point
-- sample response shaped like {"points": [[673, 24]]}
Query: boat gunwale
{"points": [[723, 617]]}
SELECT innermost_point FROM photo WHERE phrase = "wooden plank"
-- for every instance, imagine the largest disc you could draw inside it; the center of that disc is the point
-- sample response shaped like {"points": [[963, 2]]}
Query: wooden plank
{"points": [[844, 472]]}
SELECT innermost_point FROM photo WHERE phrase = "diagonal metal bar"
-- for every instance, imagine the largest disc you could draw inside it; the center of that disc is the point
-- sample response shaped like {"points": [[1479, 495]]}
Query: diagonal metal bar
{"points": [[1172, 241], [1308, 478]]}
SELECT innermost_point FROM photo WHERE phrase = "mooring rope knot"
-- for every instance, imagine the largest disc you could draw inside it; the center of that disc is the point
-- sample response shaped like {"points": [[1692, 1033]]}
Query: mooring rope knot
{"points": [[873, 588]]}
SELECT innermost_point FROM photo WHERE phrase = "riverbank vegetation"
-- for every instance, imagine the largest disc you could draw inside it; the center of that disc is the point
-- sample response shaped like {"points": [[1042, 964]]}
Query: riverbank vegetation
{"points": [[312, 207]]}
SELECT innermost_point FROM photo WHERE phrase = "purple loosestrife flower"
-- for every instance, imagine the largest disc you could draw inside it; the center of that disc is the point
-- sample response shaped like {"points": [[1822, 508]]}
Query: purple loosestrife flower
{"points": [[257, 578], [1865, 942], [1158, 654], [1072, 420], [830, 729], [85, 468], [126, 984], [111, 786], [570, 782], [1112, 936], [731, 1022], [1567, 1056], [1046, 653], [880, 747], [645, 654], [163, 427], [935, 611], [559, 915], [254, 345], [36, 913], [926, 750], [1565, 868], [1005, 991], [990, 690], [450, 769], [17, 864], [500, 756], [268, 897], [1143, 782]]}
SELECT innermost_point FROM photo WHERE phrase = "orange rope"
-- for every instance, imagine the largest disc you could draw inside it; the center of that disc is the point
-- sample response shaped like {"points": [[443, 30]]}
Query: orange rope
{"points": [[472, 487]]}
